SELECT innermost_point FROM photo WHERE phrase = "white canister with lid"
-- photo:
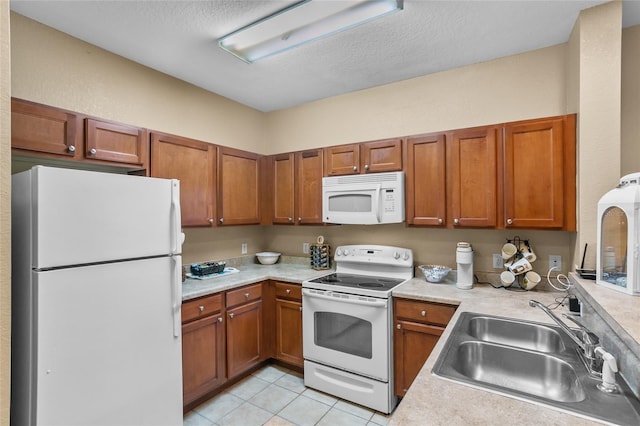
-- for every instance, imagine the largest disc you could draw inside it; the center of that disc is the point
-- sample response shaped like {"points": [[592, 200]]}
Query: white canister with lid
{"points": [[464, 259]]}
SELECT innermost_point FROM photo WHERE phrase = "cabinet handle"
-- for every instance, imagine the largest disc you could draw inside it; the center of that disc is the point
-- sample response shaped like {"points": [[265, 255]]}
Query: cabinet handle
{"points": [[398, 326], [231, 315], [211, 220], [299, 219], [290, 219], [71, 148], [366, 167], [300, 308], [93, 151], [221, 220], [201, 308], [423, 313], [439, 221], [288, 290], [246, 295], [456, 221], [355, 168], [219, 319], [509, 221]]}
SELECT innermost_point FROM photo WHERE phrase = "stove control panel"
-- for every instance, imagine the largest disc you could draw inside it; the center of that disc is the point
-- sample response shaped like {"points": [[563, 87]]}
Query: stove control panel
{"points": [[375, 254]]}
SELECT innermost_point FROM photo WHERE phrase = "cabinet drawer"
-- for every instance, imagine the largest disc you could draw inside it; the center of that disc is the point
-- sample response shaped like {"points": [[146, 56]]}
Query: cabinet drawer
{"points": [[288, 291], [201, 307], [244, 294], [424, 312]]}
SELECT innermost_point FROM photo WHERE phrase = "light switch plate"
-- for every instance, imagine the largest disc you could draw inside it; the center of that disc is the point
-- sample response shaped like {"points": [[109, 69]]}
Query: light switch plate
{"points": [[244, 248], [305, 248], [497, 261]]}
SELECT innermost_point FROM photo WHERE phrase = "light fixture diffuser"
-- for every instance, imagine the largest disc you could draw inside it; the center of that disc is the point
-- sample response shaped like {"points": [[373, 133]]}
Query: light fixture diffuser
{"points": [[301, 23]]}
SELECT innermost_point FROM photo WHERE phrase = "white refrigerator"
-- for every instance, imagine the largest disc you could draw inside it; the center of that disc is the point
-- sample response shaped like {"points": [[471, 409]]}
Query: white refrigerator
{"points": [[96, 296]]}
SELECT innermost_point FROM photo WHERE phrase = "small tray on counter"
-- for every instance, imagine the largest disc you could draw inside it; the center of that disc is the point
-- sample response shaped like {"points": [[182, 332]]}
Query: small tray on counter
{"points": [[226, 271]]}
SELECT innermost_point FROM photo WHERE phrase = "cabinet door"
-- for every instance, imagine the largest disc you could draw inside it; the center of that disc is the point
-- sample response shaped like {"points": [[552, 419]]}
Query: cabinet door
{"points": [[289, 332], [42, 129], [192, 162], [238, 184], [283, 189], [381, 156], [309, 187], [474, 182], [425, 180], [244, 337], [115, 142], [342, 160], [413, 343], [539, 173], [203, 356]]}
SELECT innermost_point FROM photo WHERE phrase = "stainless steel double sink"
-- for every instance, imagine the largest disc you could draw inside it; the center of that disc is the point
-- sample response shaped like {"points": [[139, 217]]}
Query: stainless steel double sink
{"points": [[533, 362]]}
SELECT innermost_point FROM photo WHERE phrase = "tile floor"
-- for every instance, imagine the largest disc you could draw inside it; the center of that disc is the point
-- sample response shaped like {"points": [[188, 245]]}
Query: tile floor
{"points": [[276, 396]]}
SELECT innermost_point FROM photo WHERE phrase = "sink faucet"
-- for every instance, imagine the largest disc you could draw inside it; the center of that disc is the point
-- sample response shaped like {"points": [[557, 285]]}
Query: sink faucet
{"points": [[583, 337]]}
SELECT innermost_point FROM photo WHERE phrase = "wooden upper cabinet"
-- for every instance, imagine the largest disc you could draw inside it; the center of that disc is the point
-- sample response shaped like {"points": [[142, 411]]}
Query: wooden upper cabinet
{"points": [[116, 142], [45, 130], [539, 173], [425, 184], [51, 132], [308, 187], [283, 188], [342, 160], [366, 157], [473, 176], [238, 187], [381, 156], [193, 163]]}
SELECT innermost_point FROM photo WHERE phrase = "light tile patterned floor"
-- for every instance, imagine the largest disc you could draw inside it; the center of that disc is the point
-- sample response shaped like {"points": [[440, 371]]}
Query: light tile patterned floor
{"points": [[276, 396]]}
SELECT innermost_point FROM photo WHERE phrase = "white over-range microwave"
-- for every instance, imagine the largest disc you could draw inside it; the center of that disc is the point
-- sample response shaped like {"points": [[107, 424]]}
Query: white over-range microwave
{"points": [[368, 199]]}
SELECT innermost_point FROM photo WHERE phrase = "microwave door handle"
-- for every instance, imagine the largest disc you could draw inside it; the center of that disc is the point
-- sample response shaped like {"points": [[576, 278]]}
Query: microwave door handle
{"points": [[376, 202]]}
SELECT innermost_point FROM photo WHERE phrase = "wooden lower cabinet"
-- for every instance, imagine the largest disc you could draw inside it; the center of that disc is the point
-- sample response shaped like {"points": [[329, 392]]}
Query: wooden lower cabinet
{"points": [[289, 323], [244, 337], [417, 327], [203, 347]]}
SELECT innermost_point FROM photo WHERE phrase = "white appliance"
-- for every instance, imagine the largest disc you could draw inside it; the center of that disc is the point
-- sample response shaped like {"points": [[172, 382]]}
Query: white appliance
{"points": [[347, 319], [618, 238], [368, 199], [96, 336], [464, 260]]}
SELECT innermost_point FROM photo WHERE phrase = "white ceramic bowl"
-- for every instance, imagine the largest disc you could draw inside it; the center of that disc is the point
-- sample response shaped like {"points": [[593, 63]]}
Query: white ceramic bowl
{"points": [[434, 273], [267, 257]]}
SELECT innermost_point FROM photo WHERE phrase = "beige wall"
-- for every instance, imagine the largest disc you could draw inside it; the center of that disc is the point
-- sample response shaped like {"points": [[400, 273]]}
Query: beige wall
{"points": [[517, 87], [595, 71], [5, 213], [630, 148], [56, 69]]}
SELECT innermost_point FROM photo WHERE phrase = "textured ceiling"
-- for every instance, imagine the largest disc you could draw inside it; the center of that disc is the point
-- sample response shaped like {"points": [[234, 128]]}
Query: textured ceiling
{"points": [[179, 38]]}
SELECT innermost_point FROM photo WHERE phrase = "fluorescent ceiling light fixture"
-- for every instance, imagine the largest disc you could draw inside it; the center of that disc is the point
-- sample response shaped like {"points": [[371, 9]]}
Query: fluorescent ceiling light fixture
{"points": [[301, 23]]}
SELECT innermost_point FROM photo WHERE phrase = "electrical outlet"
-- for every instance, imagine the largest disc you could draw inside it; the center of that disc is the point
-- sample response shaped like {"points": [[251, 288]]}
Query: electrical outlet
{"points": [[497, 261], [305, 248], [555, 261], [244, 248]]}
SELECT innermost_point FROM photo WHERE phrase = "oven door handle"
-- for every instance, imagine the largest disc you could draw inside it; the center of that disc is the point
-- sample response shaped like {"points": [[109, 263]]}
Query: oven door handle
{"points": [[352, 301]]}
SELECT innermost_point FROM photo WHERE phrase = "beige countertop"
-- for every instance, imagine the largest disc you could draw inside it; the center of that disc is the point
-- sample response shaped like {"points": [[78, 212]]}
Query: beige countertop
{"points": [[432, 400], [249, 274]]}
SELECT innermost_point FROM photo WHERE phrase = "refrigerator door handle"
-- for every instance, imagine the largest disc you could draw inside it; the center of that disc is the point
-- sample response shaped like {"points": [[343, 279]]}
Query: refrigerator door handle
{"points": [[176, 281], [176, 220]]}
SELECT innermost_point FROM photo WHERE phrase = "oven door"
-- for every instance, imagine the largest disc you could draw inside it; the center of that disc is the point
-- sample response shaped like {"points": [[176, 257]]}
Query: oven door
{"points": [[347, 331]]}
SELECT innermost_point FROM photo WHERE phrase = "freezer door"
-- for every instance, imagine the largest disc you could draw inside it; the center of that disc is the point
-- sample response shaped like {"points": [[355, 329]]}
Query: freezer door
{"points": [[81, 217], [107, 351]]}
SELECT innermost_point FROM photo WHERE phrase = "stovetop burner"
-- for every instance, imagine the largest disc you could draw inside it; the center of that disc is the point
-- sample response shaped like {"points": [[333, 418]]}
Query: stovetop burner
{"points": [[361, 281]]}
